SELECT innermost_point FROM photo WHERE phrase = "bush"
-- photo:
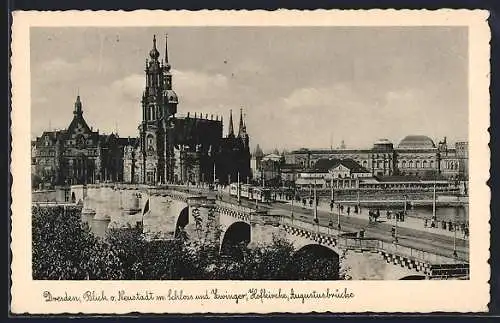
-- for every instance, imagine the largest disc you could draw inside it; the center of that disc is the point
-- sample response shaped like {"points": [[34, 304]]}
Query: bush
{"points": [[65, 249]]}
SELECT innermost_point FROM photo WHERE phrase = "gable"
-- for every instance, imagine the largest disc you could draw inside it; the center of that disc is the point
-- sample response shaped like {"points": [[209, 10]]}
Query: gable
{"points": [[78, 127], [339, 168]]}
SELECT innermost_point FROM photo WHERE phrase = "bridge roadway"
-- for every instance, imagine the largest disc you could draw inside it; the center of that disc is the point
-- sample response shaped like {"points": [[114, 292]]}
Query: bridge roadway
{"points": [[418, 239]]}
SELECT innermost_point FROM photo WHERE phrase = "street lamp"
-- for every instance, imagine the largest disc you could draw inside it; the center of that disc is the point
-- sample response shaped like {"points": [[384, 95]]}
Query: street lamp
{"points": [[434, 218], [315, 205], [396, 220], [455, 233]]}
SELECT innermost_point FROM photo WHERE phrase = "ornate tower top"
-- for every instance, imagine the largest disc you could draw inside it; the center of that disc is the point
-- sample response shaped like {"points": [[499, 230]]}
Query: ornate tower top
{"points": [[154, 54]]}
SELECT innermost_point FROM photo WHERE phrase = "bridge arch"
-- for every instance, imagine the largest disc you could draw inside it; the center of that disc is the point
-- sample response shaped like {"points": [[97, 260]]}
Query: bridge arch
{"points": [[182, 221], [237, 234], [315, 262]]}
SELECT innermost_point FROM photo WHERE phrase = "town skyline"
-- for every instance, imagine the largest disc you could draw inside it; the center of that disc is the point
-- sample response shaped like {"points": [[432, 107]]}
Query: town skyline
{"points": [[291, 77]]}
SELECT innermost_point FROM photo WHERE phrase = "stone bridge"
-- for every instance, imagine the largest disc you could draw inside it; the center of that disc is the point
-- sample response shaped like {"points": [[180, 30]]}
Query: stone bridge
{"points": [[166, 213]]}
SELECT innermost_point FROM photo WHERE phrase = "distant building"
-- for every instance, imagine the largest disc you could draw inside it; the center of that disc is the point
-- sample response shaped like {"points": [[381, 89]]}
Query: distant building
{"points": [[339, 173], [414, 156], [76, 155], [255, 162]]}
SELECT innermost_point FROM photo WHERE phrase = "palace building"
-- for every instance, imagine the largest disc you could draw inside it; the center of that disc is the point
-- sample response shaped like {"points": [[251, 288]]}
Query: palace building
{"points": [[415, 155], [76, 155]]}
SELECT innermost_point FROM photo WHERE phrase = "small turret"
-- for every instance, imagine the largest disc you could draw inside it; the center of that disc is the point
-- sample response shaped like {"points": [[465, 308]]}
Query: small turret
{"points": [[230, 133], [78, 107]]}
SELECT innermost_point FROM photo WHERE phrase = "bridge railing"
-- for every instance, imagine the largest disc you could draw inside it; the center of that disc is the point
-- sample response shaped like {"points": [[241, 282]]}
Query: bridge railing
{"points": [[421, 255], [359, 243], [234, 207], [310, 226], [53, 204], [373, 244]]}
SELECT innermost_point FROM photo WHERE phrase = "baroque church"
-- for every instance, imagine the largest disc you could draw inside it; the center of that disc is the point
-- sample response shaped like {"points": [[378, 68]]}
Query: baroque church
{"points": [[180, 149], [169, 148]]}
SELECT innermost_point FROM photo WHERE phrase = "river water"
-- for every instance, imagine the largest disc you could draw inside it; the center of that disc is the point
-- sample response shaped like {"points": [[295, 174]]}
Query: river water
{"points": [[446, 213]]}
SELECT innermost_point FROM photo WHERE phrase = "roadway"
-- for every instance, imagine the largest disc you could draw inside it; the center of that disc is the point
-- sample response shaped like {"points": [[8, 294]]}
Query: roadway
{"points": [[418, 239]]}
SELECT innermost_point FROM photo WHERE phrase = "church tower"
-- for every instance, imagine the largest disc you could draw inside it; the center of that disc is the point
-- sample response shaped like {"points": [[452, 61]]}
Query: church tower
{"points": [[159, 106]]}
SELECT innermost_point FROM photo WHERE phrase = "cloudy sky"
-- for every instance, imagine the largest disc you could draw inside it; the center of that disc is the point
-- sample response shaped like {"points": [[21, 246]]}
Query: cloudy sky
{"points": [[299, 87]]}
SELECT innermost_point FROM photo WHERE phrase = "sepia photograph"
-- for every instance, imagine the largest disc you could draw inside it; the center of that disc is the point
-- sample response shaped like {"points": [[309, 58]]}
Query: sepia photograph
{"points": [[248, 153]]}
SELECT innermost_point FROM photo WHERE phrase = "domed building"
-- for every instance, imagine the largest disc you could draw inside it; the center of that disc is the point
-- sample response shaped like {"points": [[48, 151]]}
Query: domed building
{"points": [[415, 155]]}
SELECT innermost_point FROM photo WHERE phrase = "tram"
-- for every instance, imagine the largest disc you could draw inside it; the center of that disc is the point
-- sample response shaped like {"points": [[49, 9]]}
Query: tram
{"points": [[250, 192]]}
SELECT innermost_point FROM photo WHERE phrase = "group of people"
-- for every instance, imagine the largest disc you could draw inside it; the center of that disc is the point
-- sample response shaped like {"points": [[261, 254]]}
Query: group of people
{"points": [[448, 225]]}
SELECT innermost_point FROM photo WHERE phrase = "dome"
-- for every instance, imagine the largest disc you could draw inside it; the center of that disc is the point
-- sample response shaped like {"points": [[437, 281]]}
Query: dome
{"points": [[416, 142], [154, 54], [171, 96]]}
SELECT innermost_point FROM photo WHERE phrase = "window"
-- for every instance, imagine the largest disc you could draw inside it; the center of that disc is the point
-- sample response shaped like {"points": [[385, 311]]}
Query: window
{"points": [[424, 164], [410, 164]]}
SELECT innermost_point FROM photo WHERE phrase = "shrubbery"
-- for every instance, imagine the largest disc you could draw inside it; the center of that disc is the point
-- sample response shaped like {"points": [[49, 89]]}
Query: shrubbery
{"points": [[64, 248]]}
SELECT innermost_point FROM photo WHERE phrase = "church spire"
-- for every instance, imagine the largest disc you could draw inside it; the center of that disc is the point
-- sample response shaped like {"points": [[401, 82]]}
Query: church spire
{"points": [[167, 67], [241, 126], [231, 129], [166, 49]]}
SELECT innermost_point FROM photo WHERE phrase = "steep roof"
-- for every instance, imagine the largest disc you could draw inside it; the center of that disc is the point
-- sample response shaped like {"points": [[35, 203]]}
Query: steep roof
{"points": [[354, 166]]}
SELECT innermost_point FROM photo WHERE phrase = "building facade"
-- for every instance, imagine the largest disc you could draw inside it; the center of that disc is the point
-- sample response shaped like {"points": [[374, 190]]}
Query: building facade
{"points": [[168, 149], [76, 155], [414, 156]]}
